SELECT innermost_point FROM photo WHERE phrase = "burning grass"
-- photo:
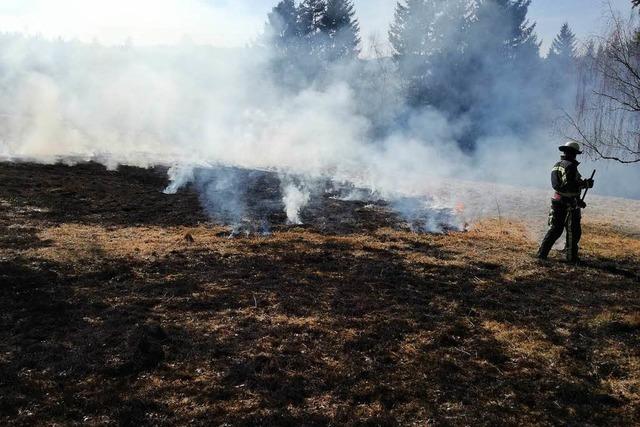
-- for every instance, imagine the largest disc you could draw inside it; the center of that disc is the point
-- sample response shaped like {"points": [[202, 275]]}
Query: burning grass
{"points": [[110, 315]]}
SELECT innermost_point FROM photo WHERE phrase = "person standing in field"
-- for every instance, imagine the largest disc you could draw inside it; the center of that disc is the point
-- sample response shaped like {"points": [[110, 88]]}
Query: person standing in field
{"points": [[566, 205]]}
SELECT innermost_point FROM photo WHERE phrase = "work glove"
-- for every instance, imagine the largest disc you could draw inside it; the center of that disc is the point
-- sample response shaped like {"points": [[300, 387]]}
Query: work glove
{"points": [[581, 204], [588, 183]]}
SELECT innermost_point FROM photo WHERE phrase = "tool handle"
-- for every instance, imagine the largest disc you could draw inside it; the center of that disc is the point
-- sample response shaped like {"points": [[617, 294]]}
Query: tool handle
{"points": [[587, 189]]}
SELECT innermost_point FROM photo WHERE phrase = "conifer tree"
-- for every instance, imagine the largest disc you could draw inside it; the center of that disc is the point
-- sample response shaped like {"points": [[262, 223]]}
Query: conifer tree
{"points": [[341, 30], [308, 37], [282, 27], [562, 63], [310, 13], [423, 39], [502, 27], [563, 47], [409, 29]]}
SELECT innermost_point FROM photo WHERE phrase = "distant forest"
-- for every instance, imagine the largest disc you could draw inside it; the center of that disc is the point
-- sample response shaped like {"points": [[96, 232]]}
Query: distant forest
{"points": [[477, 62]]}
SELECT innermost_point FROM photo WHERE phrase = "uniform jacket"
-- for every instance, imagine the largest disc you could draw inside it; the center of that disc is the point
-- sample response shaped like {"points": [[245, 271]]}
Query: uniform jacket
{"points": [[566, 179]]}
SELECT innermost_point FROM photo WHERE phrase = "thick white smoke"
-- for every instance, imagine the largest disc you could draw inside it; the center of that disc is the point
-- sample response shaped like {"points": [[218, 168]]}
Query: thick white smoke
{"points": [[194, 107], [295, 199]]}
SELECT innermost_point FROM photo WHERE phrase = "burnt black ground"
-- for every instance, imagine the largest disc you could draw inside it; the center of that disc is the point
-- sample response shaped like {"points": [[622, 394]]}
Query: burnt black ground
{"points": [[110, 317]]}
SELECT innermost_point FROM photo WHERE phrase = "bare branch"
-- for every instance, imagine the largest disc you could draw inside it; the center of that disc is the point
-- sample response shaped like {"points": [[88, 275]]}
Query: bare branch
{"points": [[607, 112]]}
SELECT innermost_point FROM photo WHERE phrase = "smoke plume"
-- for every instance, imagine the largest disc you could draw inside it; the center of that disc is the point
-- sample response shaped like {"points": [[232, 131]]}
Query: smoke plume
{"points": [[209, 113]]}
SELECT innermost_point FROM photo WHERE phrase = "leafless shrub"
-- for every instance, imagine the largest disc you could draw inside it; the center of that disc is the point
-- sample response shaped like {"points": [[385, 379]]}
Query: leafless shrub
{"points": [[607, 116]]}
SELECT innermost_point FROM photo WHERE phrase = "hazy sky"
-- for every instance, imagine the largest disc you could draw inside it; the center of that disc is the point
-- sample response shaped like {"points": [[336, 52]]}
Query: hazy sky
{"points": [[236, 22]]}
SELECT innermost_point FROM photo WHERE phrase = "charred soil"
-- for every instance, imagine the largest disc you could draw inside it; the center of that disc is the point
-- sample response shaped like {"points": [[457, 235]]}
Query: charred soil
{"points": [[120, 305]]}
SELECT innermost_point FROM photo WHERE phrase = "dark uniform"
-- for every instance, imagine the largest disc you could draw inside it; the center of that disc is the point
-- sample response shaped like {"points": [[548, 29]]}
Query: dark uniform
{"points": [[565, 207]]}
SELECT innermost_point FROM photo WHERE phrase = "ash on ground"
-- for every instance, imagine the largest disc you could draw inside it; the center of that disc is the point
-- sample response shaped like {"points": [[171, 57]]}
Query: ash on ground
{"points": [[426, 215], [255, 202]]}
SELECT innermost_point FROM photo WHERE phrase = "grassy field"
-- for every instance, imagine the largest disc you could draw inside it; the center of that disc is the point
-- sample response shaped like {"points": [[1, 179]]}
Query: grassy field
{"points": [[123, 306]]}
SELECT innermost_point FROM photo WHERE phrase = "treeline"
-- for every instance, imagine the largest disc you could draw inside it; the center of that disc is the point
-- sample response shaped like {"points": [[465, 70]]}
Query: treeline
{"points": [[477, 62], [310, 35]]}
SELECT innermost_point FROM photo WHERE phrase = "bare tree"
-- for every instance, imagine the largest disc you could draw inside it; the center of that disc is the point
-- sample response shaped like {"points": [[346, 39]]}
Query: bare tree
{"points": [[607, 116]]}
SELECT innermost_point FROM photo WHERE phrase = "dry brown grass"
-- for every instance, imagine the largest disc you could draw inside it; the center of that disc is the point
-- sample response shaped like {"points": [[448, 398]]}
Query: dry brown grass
{"points": [[111, 316]]}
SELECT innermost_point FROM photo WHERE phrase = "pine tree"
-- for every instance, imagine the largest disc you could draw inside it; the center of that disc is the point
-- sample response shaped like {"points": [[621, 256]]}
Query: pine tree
{"points": [[562, 66], [562, 59], [505, 68], [408, 31], [563, 47], [291, 60], [341, 30], [501, 26], [312, 41], [407, 37], [411, 37], [307, 38], [310, 13], [426, 27], [428, 38], [282, 29]]}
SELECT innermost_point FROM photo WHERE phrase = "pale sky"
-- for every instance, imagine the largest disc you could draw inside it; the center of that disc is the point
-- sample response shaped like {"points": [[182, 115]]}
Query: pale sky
{"points": [[237, 22]]}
